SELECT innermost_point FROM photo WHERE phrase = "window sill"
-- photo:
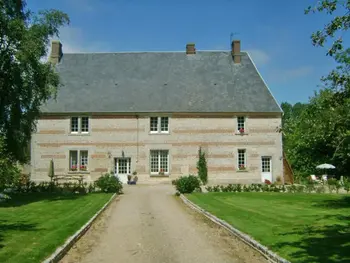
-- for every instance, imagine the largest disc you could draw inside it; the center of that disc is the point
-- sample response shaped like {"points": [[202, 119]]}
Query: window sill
{"points": [[79, 134], [242, 171], [78, 172], [159, 176], [241, 133], [159, 133]]}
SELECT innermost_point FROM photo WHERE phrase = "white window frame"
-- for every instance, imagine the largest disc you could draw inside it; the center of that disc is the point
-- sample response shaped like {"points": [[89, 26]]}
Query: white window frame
{"points": [[245, 158], [79, 160], [239, 123], [80, 123], [71, 125], [159, 162], [159, 125], [270, 164]]}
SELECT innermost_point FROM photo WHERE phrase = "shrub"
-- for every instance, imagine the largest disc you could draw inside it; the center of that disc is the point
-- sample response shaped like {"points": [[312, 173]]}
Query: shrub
{"points": [[51, 173], [216, 188], [279, 180], [310, 186], [187, 184], [209, 188], [202, 167], [332, 184], [347, 185], [320, 189], [109, 184]]}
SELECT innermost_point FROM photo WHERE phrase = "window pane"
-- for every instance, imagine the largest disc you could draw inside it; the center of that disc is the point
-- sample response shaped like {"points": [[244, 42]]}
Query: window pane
{"points": [[74, 124], [154, 161], [266, 164], [73, 160], [241, 158], [240, 123], [164, 124], [83, 160], [85, 124], [122, 166], [164, 161], [154, 124]]}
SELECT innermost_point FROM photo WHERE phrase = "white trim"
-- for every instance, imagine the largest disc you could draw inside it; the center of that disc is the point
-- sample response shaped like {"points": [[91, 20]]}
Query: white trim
{"points": [[279, 106]]}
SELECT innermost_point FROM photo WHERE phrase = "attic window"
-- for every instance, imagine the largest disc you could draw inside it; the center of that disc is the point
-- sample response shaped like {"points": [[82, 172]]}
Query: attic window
{"points": [[79, 125], [159, 124]]}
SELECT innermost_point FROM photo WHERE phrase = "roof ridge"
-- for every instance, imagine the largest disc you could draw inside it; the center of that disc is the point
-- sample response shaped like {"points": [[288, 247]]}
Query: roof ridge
{"points": [[124, 52]]}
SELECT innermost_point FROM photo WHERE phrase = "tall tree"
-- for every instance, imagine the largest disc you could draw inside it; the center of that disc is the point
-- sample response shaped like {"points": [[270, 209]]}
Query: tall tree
{"points": [[338, 79], [25, 81]]}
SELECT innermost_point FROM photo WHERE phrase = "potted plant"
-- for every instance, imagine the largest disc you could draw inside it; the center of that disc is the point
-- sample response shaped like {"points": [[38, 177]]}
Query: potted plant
{"points": [[129, 178], [241, 130], [241, 167], [73, 168], [161, 171], [83, 168]]}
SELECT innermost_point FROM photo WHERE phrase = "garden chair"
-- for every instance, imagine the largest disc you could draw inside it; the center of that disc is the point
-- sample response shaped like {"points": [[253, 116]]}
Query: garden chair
{"points": [[314, 178]]}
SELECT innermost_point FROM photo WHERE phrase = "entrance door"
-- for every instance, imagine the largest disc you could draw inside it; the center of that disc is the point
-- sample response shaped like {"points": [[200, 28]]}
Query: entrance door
{"points": [[122, 169], [266, 171]]}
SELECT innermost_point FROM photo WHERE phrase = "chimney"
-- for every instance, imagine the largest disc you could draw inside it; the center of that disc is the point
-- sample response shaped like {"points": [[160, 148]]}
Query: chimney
{"points": [[190, 49], [56, 52], [236, 51]]}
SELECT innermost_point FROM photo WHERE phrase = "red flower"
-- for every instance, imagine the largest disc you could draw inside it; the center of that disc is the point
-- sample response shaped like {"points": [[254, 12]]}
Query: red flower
{"points": [[241, 130], [267, 181]]}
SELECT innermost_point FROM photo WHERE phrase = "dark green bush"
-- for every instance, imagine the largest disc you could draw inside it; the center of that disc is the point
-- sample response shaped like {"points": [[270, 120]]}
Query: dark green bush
{"points": [[187, 184], [109, 184], [202, 167]]}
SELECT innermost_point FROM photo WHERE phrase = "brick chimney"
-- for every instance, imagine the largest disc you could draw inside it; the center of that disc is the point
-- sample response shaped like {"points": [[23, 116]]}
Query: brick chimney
{"points": [[236, 51], [56, 52], [190, 49]]}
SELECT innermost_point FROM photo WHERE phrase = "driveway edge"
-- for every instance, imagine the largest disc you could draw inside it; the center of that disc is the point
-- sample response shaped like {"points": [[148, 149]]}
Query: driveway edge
{"points": [[62, 250], [244, 237]]}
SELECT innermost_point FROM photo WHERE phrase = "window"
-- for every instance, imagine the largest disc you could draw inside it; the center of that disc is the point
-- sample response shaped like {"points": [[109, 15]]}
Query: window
{"points": [[84, 124], [74, 127], [164, 124], [159, 161], [73, 160], [241, 159], [154, 124], [266, 164], [82, 164], [240, 123], [159, 124], [83, 127]]}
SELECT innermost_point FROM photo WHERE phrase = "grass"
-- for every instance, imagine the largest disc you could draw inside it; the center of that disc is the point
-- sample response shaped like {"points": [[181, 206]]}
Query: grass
{"points": [[299, 227], [33, 226]]}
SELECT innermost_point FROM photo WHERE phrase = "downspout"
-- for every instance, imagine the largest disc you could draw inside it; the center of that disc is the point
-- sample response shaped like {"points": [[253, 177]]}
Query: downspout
{"points": [[137, 139]]}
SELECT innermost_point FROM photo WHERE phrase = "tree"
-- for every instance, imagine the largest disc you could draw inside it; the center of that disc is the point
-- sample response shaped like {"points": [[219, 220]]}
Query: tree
{"points": [[25, 81], [202, 166], [338, 79]]}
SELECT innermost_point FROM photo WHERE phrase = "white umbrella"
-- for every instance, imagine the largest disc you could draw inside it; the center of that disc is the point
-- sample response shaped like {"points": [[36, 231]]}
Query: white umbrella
{"points": [[325, 166]]}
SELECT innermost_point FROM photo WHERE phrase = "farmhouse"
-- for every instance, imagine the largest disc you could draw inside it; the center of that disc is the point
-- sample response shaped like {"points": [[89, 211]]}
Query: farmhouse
{"points": [[150, 112]]}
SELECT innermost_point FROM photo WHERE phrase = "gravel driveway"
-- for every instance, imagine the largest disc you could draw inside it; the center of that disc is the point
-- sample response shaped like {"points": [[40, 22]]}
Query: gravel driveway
{"points": [[149, 224]]}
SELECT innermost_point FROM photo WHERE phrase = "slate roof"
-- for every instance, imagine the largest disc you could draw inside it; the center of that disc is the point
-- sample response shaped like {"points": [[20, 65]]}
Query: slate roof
{"points": [[139, 82]]}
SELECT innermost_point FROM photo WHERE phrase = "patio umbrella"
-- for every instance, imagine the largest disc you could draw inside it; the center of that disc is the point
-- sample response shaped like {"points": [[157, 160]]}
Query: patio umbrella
{"points": [[325, 166]]}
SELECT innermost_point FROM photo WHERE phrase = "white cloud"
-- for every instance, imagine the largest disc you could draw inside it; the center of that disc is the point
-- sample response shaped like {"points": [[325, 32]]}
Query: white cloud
{"points": [[285, 75], [259, 57]]}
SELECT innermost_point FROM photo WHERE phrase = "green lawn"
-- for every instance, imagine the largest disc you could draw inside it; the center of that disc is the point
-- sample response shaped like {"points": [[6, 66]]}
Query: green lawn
{"points": [[33, 226], [299, 227]]}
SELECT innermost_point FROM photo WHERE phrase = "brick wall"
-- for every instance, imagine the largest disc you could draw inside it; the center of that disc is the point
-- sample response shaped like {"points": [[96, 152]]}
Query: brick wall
{"points": [[111, 136]]}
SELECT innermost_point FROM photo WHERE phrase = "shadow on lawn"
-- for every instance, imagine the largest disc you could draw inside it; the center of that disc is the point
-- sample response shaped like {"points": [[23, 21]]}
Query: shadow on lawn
{"points": [[24, 199], [7, 227], [344, 202], [329, 243]]}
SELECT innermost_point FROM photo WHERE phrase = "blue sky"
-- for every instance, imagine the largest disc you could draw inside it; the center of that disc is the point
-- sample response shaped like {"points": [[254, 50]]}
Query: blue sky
{"points": [[275, 32]]}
